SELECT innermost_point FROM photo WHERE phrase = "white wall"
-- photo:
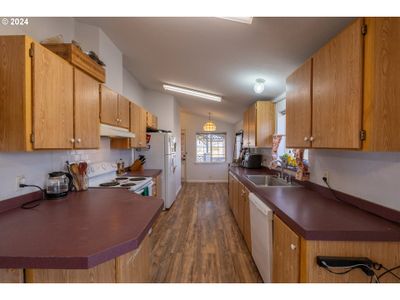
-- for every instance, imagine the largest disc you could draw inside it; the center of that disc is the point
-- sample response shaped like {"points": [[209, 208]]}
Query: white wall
{"points": [[36, 165], [205, 172], [370, 176], [132, 89]]}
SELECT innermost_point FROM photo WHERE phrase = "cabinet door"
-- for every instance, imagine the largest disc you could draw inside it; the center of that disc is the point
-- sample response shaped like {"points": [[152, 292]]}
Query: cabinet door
{"points": [[246, 129], [381, 84], [265, 123], [149, 119], [109, 106], [230, 192], [241, 205], [154, 123], [298, 106], [337, 90], [52, 100], [246, 219], [123, 112], [252, 115], [236, 195], [286, 254], [135, 124], [138, 126], [86, 111]]}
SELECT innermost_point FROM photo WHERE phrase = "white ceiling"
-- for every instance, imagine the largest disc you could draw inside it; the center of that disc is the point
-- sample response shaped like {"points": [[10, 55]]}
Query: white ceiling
{"points": [[217, 56]]}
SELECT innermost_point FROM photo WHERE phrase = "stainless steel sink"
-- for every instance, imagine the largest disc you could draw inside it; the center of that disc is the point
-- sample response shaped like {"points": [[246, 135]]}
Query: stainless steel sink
{"points": [[269, 181]]}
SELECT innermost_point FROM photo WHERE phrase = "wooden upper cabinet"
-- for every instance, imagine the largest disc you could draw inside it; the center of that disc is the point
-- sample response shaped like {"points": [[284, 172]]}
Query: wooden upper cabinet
{"points": [[251, 125], [259, 124], [123, 112], [138, 126], [265, 123], [151, 120], [286, 254], [381, 84], [337, 90], [52, 90], [246, 129], [298, 106], [86, 111], [109, 106]]}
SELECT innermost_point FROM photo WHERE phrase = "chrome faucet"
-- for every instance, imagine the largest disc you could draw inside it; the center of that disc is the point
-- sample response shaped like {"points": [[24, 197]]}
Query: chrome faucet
{"points": [[281, 165]]}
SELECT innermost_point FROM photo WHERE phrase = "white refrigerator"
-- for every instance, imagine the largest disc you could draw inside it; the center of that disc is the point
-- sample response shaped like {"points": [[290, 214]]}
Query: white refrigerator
{"points": [[162, 155]]}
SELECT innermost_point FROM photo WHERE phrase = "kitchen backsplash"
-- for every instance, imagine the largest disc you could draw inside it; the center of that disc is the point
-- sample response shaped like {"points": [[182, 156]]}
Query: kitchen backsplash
{"points": [[34, 166]]}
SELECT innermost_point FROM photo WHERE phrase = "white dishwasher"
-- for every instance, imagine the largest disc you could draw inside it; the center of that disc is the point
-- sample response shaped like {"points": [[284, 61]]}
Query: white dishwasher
{"points": [[261, 217]]}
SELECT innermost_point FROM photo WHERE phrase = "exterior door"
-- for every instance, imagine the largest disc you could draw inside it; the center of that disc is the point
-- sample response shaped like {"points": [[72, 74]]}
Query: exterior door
{"points": [[298, 106], [52, 100], [183, 155], [86, 111], [337, 91]]}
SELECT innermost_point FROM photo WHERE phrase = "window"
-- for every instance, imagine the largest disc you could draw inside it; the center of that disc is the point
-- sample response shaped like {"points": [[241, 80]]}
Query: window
{"points": [[210, 147]]}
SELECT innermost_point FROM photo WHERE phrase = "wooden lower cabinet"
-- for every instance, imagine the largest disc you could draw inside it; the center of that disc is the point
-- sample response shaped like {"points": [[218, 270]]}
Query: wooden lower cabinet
{"points": [[386, 253], [103, 273], [134, 266], [156, 191], [286, 254], [11, 275], [295, 259], [239, 204]]}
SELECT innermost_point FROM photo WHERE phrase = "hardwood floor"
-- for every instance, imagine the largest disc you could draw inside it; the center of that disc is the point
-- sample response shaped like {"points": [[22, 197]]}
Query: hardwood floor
{"points": [[198, 240]]}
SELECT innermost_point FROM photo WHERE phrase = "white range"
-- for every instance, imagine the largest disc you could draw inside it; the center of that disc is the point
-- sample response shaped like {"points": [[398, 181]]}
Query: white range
{"points": [[103, 175]]}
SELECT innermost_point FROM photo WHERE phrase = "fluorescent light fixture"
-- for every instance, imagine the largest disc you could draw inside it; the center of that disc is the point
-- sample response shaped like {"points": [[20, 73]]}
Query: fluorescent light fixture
{"points": [[191, 92], [245, 20]]}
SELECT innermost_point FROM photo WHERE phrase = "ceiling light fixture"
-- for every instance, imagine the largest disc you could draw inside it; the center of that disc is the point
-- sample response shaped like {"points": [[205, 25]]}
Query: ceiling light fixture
{"points": [[259, 85], [245, 20], [209, 126], [191, 92]]}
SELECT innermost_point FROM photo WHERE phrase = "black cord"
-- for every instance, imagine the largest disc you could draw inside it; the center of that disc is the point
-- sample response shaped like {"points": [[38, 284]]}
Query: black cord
{"points": [[387, 271], [332, 190], [33, 203]]}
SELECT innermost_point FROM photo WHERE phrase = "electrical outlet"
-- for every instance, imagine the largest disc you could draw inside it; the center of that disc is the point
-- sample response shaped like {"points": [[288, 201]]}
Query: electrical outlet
{"points": [[326, 175], [20, 180]]}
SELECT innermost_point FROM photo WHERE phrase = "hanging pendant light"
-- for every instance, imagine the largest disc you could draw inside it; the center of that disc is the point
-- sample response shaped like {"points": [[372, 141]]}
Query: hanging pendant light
{"points": [[209, 125]]}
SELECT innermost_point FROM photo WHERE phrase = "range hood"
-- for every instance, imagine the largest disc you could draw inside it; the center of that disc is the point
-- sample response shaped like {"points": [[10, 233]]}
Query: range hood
{"points": [[112, 131]]}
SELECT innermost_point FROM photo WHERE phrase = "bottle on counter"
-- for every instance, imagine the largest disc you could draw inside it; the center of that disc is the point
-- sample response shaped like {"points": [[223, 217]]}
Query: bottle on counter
{"points": [[120, 167]]}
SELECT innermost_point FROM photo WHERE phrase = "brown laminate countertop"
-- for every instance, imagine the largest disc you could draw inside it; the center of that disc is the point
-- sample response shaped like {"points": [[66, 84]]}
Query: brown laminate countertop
{"points": [[146, 173], [79, 231], [315, 217]]}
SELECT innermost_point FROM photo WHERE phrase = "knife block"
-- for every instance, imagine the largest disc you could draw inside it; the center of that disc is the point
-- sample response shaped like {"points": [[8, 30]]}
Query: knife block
{"points": [[136, 166]]}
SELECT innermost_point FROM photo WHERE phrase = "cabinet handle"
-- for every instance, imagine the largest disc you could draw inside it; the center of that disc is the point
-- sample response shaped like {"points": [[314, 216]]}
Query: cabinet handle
{"points": [[305, 139], [292, 246], [78, 140], [311, 138], [72, 140]]}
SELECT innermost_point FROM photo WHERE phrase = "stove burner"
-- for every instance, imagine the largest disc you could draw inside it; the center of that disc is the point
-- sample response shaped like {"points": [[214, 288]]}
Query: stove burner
{"points": [[121, 178], [137, 179], [111, 183], [128, 184]]}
